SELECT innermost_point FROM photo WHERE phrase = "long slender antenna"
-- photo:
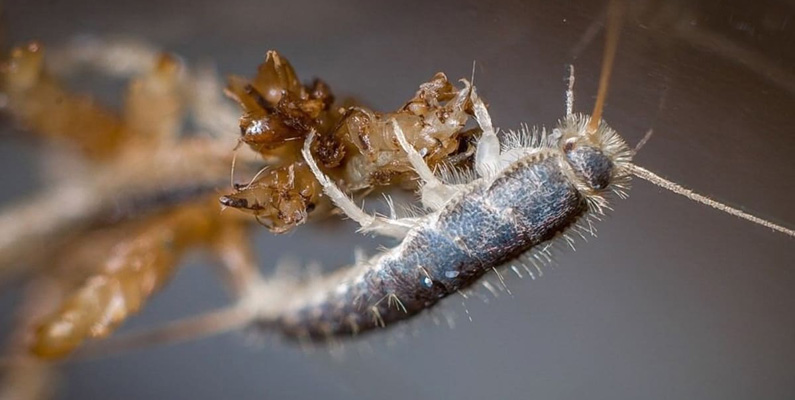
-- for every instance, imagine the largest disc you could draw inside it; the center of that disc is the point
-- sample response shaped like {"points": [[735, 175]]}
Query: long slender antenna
{"points": [[472, 79], [649, 176], [614, 18], [570, 92]]}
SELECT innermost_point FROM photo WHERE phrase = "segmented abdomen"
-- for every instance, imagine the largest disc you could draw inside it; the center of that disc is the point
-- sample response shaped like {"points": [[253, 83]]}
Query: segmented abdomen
{"points": [[487, 226]]}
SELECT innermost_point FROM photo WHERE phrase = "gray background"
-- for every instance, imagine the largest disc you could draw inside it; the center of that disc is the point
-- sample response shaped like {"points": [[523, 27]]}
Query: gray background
{"points": [[673, 300]]}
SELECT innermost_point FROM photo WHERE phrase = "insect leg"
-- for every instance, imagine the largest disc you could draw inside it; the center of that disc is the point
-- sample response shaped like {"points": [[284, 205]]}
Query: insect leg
{"points": [[414, 157], [434, 192], [487, 154], [396, 228]]}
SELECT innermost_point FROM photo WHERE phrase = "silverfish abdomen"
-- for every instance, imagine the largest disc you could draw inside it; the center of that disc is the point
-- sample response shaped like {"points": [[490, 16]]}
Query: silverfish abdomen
{"points": [[527, 204]]}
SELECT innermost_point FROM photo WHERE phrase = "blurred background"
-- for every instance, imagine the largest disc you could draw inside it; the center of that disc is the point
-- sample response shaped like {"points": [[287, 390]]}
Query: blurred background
{"points": [[672, 300]]}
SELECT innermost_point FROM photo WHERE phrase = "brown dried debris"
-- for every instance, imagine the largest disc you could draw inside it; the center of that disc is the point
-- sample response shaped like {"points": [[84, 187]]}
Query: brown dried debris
{"points": [[130, 271], [355, 146], [116, 236]]}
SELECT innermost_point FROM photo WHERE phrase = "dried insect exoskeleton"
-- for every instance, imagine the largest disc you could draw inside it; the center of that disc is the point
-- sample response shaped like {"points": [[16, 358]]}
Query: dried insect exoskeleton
{"points": [[354, 145]]}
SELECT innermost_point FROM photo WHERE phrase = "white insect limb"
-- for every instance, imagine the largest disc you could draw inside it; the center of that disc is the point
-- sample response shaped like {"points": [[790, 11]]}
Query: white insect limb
{"points": [[415, 159], [649, 176], [488, 148], [396, 228], [434, 192]]}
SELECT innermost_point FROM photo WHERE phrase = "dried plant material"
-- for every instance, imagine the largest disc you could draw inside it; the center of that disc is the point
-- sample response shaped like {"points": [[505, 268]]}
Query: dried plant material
{"points": [[136, 267], [116, 232], [139, 154], [355, 146], [42, 105], [154, 102]]}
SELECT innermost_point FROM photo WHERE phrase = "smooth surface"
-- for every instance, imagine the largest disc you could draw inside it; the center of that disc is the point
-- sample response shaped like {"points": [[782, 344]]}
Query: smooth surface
{"points": [[672, 300]]}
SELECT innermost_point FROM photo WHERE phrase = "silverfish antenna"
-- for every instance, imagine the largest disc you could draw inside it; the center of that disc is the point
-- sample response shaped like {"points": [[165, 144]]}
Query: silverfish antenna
{"points": [[649, 176], [614, 18]]}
